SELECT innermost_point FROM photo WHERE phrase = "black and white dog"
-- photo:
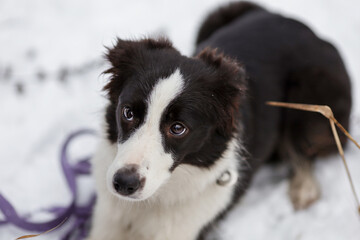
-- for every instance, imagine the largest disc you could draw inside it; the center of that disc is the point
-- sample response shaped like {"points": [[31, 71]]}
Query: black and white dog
{"points": [[183, 135]]}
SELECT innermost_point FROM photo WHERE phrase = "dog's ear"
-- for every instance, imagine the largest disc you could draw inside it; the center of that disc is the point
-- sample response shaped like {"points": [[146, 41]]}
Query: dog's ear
{"points": [[127, 57], [233, 70], [230, 86]]}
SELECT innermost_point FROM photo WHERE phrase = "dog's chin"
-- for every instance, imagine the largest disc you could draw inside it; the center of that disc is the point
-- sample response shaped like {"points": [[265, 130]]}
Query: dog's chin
{"points": [[131, 198]]}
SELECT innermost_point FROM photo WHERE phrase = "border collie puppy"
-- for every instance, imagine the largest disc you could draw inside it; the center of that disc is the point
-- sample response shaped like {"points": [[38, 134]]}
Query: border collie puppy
{"points": [[183, 135]]}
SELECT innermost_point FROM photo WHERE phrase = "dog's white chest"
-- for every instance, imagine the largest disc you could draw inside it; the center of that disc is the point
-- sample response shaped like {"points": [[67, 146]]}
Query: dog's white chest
{"points": [[181, 221], [179, 210]]}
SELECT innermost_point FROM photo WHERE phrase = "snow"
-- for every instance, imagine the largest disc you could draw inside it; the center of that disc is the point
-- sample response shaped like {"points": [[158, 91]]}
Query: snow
{"points": [[51, 51]]}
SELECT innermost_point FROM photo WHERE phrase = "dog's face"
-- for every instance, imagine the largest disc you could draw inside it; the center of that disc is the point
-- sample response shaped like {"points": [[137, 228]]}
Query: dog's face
{"points": [[165, 110]]}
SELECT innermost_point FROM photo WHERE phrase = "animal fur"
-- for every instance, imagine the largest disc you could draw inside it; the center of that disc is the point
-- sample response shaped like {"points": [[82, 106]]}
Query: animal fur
{"points": [[156, 181]]}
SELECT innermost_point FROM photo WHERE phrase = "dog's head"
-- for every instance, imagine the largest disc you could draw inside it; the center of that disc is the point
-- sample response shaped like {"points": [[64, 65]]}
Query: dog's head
{"points": [[165, 110]]}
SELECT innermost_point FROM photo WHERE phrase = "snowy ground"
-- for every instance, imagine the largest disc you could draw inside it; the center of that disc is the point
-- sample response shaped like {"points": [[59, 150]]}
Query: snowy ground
{"points": [[50, 66]]}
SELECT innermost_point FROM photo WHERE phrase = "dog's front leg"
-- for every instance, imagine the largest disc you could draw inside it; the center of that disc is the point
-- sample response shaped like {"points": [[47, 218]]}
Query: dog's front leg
{"points": [[106, 221]]}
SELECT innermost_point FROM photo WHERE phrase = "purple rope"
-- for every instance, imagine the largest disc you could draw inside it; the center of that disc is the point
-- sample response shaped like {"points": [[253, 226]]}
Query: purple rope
{"points": [[81, 214]]}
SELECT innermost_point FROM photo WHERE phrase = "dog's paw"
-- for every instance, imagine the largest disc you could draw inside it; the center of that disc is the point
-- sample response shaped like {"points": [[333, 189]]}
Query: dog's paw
{"points": [[303, 191]]}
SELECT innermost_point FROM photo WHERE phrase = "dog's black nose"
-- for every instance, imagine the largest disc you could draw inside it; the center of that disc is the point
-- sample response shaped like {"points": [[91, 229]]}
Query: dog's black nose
{"points": [[126, 181]]}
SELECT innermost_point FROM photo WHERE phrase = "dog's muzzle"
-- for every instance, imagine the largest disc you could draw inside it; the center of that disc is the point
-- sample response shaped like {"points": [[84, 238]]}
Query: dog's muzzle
{"points": [[127, 180]]}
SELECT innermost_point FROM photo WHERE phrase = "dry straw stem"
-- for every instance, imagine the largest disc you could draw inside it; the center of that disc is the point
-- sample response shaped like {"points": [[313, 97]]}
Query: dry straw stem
{"points": [[36, 235], [327, 112]]}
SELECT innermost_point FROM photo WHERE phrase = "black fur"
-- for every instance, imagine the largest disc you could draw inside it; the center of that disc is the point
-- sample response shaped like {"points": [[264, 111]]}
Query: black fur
{"points": [[285, 61], [135, 69], [222, 17]]}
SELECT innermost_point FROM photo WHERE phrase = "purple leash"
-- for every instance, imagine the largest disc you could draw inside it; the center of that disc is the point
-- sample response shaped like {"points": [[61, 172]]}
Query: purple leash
{"points": [[81, 214]]}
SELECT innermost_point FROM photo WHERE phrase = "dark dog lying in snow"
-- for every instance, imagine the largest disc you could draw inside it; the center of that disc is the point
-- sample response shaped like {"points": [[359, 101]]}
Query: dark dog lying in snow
{"points": [[185, 135]]}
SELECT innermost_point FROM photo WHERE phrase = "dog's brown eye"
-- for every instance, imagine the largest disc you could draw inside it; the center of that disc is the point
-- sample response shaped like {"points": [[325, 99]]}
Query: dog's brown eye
{"points": [[128, 113], [177, 129]]}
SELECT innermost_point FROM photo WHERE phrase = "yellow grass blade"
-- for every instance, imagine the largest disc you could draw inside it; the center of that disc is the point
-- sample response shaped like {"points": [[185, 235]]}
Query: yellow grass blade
{"points": [[328, 113], [36, 235]]}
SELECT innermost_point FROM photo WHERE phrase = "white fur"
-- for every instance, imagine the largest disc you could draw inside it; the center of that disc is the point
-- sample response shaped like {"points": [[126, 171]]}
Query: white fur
{"points": [[144, 148], [178, 210], [176, 205]]}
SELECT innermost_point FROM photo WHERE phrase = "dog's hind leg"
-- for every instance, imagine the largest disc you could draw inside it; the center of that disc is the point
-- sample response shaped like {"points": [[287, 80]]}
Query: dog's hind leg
{"points": [[308, 135], [303, 188]]}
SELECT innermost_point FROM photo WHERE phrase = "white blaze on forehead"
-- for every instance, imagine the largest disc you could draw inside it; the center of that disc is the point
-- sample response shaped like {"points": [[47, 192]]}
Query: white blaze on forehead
{"points": [[164, 92], [144, 147]]}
